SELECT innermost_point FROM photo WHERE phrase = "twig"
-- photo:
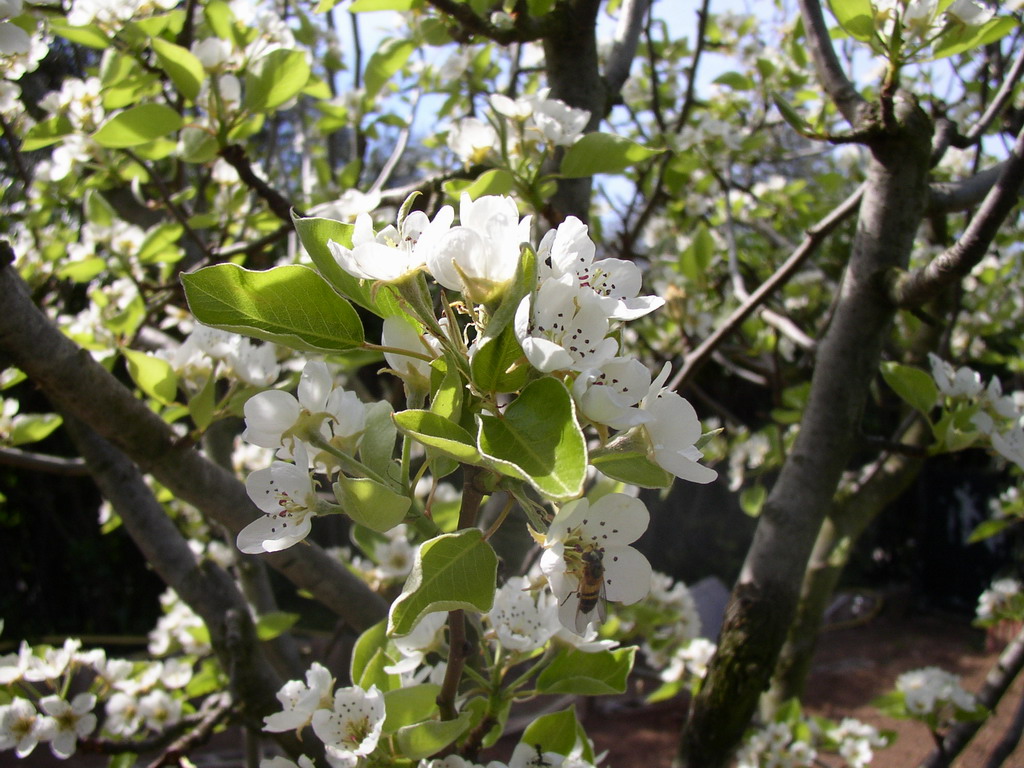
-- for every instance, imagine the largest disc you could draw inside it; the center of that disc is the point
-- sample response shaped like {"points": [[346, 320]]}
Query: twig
{"points": [[915, 288], [627, 35], [998, 681], [196, 737], [999, 102], [815, 235], [41, 462], [830, 70], [525, 29], [235, 155]]}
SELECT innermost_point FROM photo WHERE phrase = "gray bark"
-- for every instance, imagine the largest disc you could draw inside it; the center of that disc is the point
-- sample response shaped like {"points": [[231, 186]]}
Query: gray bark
{"points": [[78, 385], [765, 598]]}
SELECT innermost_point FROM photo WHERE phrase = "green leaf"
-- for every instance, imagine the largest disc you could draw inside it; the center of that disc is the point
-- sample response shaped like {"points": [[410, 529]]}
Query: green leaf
{"points": [[153, 375], [632, 467], [290, 305], [91, 35], [603, 153], [371, 504], [440, 434], [857, 17], [369, 643], [538, 439], [735, 80], [31, 428], [202, 404], [385, 62], [181, 65], [314, 233], [913, 385], [377, 446], [962, 38], [496, 181], [275, 78], [494, 364], [558, 732], [220, 18], [46, 133], [274, 624], [795, 119], [453, 571], [446, 400], [587, 674], [138, 125], [366, 6], [990, 528], [410, 705], [416, 742], [752, 499]]}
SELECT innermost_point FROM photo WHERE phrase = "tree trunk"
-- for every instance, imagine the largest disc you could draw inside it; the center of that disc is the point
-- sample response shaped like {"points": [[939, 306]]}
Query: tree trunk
{"points": [[764, 600]]}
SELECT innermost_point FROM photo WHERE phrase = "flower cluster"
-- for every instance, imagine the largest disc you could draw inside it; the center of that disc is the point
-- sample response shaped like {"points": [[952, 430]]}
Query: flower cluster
{"points": [[1003, 600], [348, 720], [516, 128], [922, 20], [46, 703], [320, 428], [935, 696], [795, 741]]}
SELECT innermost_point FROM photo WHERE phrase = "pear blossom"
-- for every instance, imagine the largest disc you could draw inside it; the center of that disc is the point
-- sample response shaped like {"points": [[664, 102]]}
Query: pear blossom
{"points": [[568, 250], [672, 432], [426, 636], [857, 741], [457, 761], [70, 721], [1010, 445], [607, 528], [401, 333], [970, 13], [609, 394], [286, 494], [300, 700], [283, 762], [255, 364], [13, 39], [471, 139], [22, 727], [1000, 600], [774, 746], [931, 692], [213, 53], [957, 382], [479, 257], [560, 124], [160, 710], [394, 252], [351, 729], [564, 327], [272, 416], [521, 621]]}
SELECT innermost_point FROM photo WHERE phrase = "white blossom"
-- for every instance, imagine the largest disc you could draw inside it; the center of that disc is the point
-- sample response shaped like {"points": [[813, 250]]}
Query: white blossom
{"points": [[300, 700], [581, 530], [394, 252], [352, 728], [672, 432], [71, 721], [22, 727], [522, 621], [286, 494]]}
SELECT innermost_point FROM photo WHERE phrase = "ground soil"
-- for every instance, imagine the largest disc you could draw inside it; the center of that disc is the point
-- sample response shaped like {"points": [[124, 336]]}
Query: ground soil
{"points": [[852, 666]]}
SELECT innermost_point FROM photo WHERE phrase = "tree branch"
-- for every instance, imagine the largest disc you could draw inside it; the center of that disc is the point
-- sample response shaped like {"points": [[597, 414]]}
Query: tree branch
{"points": [[78, 385], [41, 462], [815, 235], [829, 68], [997, 682], [204, 586], [525, 29], [624, 43], [281, 207], [915, 288]]}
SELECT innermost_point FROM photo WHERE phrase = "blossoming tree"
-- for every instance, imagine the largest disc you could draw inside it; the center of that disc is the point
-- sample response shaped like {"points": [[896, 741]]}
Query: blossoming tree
{"points": [[219, 217]]}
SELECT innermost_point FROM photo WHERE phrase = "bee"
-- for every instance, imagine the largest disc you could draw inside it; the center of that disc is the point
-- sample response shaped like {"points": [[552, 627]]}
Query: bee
{"points": [[590, 590]]}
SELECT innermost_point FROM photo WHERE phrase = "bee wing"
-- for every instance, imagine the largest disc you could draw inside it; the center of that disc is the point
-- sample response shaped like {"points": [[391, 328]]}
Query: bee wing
{"points": [[583, 618]]}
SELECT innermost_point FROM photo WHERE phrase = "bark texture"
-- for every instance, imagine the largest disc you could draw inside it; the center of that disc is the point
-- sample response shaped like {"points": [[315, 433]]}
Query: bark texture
{"points": [[765, 598], [78, 385]]}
